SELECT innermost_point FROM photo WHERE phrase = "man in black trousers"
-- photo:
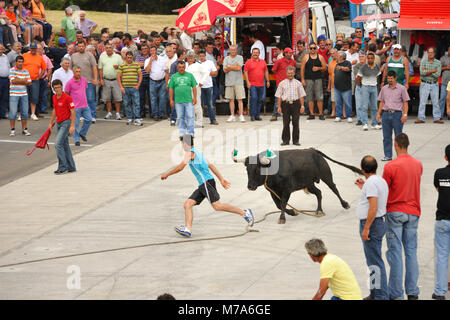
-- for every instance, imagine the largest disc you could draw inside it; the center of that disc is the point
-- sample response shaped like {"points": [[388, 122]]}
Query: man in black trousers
{"points": [[290, 94]]}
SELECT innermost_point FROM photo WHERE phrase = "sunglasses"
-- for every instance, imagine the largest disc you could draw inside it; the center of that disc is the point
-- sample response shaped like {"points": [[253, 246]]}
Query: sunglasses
{"points": [[312, 48]]}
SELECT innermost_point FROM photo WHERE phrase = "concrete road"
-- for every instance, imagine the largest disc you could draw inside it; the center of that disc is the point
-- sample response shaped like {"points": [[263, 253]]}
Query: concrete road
{"points": [[106, 232], [13, 148]]}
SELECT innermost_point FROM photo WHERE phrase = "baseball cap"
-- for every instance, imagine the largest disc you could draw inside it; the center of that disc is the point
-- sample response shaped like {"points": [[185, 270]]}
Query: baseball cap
{"points": [[33, 45], [288, 50], [62, 41], [397, 46]]}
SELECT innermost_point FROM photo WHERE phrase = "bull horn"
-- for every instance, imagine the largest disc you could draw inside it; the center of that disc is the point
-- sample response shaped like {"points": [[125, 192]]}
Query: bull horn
{"points": [[264, 160], [235, 158]]}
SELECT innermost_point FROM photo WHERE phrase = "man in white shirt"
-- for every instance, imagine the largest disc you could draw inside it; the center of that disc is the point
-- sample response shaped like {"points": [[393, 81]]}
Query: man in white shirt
{"points": [[155, 65], [64, 73], [171, 58], [201, 75], [186, 40], [207, 88], [258, 44], [371, 210]]}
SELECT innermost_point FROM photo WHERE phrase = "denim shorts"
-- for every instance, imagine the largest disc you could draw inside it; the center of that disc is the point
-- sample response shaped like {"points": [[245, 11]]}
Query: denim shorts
{"points": [[33, 91], [16, 104]]}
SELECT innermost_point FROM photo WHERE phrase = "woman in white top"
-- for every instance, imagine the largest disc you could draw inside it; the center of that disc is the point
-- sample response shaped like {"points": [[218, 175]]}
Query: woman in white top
{"points": [[200, 74]]}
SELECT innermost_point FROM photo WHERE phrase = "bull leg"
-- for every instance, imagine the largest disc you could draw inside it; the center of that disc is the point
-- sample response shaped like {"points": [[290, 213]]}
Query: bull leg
{"points": [[314, 190], [283, 203], [329, 182], [278, 204]]}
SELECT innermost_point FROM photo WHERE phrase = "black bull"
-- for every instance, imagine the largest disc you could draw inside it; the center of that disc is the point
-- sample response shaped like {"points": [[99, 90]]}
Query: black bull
{"points": [[295, 170]]}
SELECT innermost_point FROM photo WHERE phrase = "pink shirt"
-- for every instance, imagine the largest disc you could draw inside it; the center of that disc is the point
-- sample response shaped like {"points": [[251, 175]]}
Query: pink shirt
{"points": [[49, 64], [77, 91]]}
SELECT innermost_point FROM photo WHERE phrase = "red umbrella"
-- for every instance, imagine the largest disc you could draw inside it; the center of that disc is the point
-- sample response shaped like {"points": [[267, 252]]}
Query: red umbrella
{"points": [[42, 142], [200, 15]]}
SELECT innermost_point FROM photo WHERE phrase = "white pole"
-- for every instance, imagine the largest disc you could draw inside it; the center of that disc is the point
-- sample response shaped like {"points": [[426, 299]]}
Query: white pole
{"points": [[127, 16]]}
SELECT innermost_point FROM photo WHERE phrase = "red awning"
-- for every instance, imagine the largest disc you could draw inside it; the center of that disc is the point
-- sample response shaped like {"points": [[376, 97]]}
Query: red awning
{"points": [[424, 23], [384, 16], [259, 14], [424, 15]]}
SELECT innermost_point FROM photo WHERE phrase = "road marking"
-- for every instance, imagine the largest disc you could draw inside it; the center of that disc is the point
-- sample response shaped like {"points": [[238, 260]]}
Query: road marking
{"points": [[31, 142]]}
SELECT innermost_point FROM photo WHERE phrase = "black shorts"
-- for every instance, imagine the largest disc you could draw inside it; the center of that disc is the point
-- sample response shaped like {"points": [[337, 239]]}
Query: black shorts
{"points": [[203, 192]]}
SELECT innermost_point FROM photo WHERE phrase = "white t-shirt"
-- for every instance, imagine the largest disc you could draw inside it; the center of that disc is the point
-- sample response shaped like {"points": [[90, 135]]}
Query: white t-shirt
{"points": [[375, 186], [262, 53], [210, 67], [158, 67], [352, 57], [62, 75]]}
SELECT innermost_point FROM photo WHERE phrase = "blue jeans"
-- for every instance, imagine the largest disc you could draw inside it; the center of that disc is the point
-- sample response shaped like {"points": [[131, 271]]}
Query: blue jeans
{"points": [[369, 97], [4, 95], [346, 98], [63, 152], [158, 98], [17, 103], [402, 230], [335, 298], [442, 244], [33, 92], [431, 90], [442, 100], [275, 108], [207, 96], [144, 91], [185, 111], [86, 114], [374, 259], [131, 96], [390, 121], [92, 102], [43, 96], [358, 102], [216, 91], [257, 96]]}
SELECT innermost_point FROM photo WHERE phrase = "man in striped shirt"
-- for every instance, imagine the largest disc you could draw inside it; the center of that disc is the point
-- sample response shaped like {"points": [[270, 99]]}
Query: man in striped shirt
{"points": [[19, 78], [290, 94], [129, 78]]}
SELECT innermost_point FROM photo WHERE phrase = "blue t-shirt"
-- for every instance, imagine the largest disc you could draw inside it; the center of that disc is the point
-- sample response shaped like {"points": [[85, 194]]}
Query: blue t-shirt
{"points": [[200, 167]]}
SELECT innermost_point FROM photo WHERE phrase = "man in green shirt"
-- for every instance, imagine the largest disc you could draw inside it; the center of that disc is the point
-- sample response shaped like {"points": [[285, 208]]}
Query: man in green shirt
{"points": [[129, 78], [67, 27], [182, 85], [108, 65]]}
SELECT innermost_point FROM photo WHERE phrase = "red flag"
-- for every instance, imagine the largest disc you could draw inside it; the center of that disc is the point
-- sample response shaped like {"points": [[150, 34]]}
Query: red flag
{"points": [[42, 142]]}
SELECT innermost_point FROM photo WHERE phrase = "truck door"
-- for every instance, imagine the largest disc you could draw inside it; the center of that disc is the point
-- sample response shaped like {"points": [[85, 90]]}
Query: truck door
{"points": [[330, 22], [321, 22]]}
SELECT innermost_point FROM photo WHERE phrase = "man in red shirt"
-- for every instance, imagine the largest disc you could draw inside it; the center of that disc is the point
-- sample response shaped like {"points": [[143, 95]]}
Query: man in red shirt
{"points": [[255, 70], [402, 218], [279, 68], [64, 112]]}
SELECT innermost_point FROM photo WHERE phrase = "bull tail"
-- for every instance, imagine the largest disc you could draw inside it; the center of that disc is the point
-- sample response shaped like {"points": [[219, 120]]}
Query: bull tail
{"points": [[352, 168]]}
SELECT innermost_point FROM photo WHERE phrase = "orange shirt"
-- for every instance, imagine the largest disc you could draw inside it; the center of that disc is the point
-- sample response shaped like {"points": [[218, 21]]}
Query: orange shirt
{"points": [[38, 10], [11, 16], [331, 67], [33, 64]]}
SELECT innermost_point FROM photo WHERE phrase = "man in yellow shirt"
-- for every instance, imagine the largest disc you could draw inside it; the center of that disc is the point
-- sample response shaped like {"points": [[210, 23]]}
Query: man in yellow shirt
{"points": [[334, 273]]}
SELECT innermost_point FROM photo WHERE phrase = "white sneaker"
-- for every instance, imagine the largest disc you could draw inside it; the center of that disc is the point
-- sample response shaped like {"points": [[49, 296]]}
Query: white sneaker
{"points": [[337, 119], [241, 118], [130, 121], [26, 132], [377, 127], [93, 120], [12, 133], [231, 118], [138, 122], [365, 127], [109, 115], [33, 117], [349, 120], [118, 116], [19, 118]]}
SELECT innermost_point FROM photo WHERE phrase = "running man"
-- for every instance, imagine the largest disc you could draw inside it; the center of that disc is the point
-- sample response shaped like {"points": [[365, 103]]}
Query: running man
{"points": [[207, 186]]}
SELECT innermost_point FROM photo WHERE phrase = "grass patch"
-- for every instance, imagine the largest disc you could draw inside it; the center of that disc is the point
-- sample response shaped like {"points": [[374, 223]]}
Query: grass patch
{"points": [[117, 21]]}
